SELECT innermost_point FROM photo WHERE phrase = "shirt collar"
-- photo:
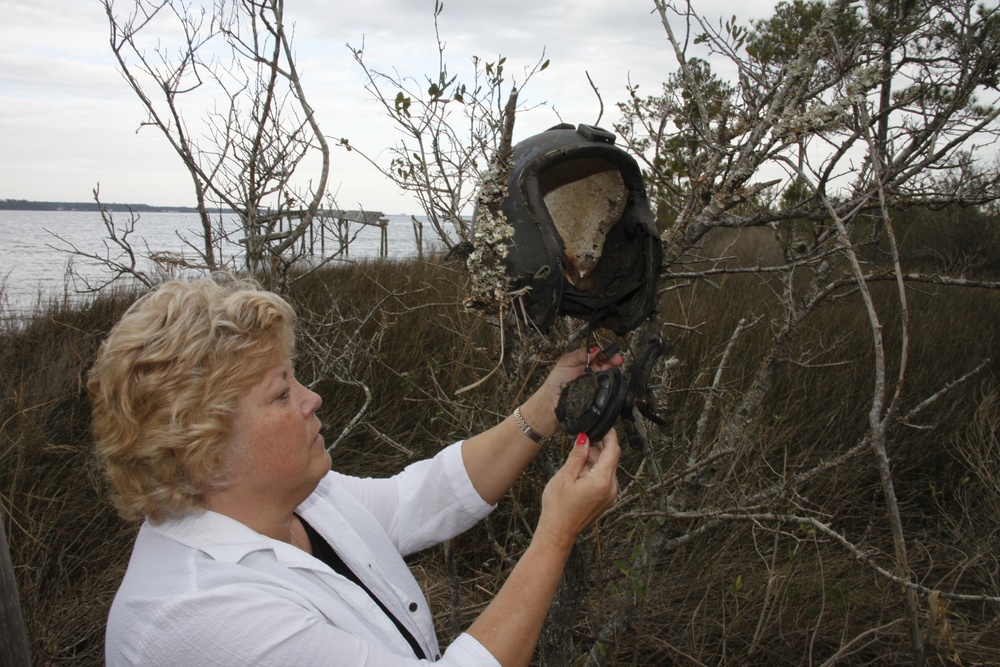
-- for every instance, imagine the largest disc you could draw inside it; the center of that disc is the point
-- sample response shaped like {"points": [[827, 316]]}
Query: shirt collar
{"points": [[223, 538]]}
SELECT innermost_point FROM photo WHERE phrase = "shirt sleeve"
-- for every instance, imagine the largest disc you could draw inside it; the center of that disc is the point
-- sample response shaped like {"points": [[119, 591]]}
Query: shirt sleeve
{"points": [[427, 503], [249, 625]]}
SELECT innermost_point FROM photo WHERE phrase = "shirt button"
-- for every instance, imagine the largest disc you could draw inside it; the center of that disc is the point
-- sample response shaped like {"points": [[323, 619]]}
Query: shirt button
{"points": [[413, 606]]}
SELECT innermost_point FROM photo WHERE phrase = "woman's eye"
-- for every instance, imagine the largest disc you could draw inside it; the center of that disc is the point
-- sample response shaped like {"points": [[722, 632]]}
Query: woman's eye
{"points": [[283, 395]]}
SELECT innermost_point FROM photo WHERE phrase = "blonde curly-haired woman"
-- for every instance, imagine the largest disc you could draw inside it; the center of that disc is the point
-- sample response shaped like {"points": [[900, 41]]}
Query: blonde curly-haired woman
{"points": [[252, 551]]}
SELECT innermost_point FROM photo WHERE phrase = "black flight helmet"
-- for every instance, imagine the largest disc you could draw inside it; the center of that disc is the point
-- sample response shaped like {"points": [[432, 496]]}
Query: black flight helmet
{"points": [[584, 236]]}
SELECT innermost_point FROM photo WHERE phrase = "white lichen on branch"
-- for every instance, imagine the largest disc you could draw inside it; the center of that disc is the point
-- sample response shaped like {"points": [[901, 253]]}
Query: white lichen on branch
{"points": [[819, 116], [490, 288], [490, 283]]}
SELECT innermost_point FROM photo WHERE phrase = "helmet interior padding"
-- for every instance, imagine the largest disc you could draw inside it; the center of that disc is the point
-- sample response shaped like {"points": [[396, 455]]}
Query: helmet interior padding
{"points": [[585, 198]]}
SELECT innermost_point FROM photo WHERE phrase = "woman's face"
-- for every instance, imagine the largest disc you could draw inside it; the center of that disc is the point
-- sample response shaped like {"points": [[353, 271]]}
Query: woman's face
{"points": [[278, 451]]}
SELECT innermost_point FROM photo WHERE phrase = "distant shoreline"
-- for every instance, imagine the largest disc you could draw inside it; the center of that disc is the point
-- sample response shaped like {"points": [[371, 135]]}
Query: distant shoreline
{"points": [[24, 205], [87, 207]]}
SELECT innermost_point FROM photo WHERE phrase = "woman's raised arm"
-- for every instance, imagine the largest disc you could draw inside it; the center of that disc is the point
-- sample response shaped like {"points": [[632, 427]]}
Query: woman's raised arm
{"points": [[573, 499]]}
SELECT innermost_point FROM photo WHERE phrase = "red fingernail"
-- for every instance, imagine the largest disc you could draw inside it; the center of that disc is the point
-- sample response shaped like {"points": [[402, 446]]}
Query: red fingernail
{"points": [[594, 350], [581, 439]]}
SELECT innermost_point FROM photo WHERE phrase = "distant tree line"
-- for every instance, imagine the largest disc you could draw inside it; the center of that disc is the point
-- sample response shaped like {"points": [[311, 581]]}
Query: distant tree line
{"points": [[24, 205]]}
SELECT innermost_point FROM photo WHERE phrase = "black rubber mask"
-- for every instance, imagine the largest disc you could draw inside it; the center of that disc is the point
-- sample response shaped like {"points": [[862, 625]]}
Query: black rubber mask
{"points": [[584, 237]]}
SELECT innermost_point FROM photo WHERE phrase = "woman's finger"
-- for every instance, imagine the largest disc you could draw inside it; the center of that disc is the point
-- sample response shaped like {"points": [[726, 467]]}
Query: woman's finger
{"points": [[608, 453], [579, 456]]}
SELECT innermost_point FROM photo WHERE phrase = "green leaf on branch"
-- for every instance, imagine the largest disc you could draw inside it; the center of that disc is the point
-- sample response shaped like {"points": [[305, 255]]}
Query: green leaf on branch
{"points": [[402, 103]]}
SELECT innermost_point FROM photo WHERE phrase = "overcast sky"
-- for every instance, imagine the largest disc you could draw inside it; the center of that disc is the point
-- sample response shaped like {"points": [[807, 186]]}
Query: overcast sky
{"points": [[68, 121]]}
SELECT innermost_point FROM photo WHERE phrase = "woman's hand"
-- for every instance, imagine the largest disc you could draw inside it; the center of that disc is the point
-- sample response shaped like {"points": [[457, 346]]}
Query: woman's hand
{"points": [[573, 499], [540, 409], [496, 457], [580, 491]]}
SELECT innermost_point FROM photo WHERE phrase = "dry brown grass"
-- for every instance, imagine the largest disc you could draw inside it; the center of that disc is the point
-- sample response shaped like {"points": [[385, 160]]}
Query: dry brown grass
{"points": [[388, 345]]}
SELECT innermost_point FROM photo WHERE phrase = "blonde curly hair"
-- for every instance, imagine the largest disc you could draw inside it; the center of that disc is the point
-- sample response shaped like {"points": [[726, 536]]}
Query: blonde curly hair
{"points": [[166, 384]]}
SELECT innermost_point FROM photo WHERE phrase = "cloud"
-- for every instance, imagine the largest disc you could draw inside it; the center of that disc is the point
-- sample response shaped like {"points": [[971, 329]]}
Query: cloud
{"points": [[69, 120]]}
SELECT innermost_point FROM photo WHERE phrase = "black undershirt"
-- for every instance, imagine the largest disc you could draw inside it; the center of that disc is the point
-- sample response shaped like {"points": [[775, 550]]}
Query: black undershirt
{"points": [[323, 551]]}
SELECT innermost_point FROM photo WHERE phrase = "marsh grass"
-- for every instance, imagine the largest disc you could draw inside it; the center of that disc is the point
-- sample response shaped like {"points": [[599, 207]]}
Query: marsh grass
{"points": [[65, 538], [388, 345], [745, 595]]}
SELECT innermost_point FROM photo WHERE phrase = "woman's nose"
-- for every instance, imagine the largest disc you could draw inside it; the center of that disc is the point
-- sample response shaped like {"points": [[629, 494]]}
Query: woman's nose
{"points": [[312, 402]]}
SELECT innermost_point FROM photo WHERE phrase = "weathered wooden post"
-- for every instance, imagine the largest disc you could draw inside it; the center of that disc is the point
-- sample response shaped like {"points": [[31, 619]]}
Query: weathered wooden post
{"points": [[322, 237], [418, 233], [13, 637], [312, 238]]}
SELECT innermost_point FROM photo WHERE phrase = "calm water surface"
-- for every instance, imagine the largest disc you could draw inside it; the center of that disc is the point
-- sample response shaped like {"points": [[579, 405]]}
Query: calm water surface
{"points": [[37, 262]]}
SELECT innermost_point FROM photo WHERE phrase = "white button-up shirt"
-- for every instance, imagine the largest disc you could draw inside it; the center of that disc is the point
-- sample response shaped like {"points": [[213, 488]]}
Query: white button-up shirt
{"points": [[207, 590]]}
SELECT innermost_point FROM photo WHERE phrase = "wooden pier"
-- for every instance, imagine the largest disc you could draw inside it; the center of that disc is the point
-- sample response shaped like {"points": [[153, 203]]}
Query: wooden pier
{"points": [[336, 221]]}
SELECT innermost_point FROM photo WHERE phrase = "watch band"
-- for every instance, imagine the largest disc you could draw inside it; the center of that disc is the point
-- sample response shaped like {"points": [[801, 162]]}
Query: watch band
{"points": [[527, 430]]}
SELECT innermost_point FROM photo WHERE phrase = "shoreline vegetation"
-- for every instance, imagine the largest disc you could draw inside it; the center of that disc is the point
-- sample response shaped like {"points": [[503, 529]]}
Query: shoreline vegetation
{"points": [[24, 205], [389, 345]]}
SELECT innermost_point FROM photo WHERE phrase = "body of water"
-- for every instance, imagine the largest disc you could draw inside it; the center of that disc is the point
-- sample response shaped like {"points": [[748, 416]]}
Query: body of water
{"points": [[51, 254]]}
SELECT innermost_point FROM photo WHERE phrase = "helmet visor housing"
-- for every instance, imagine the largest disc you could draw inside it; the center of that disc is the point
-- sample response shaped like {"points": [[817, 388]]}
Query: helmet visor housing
{"points": [[584, 237]]}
